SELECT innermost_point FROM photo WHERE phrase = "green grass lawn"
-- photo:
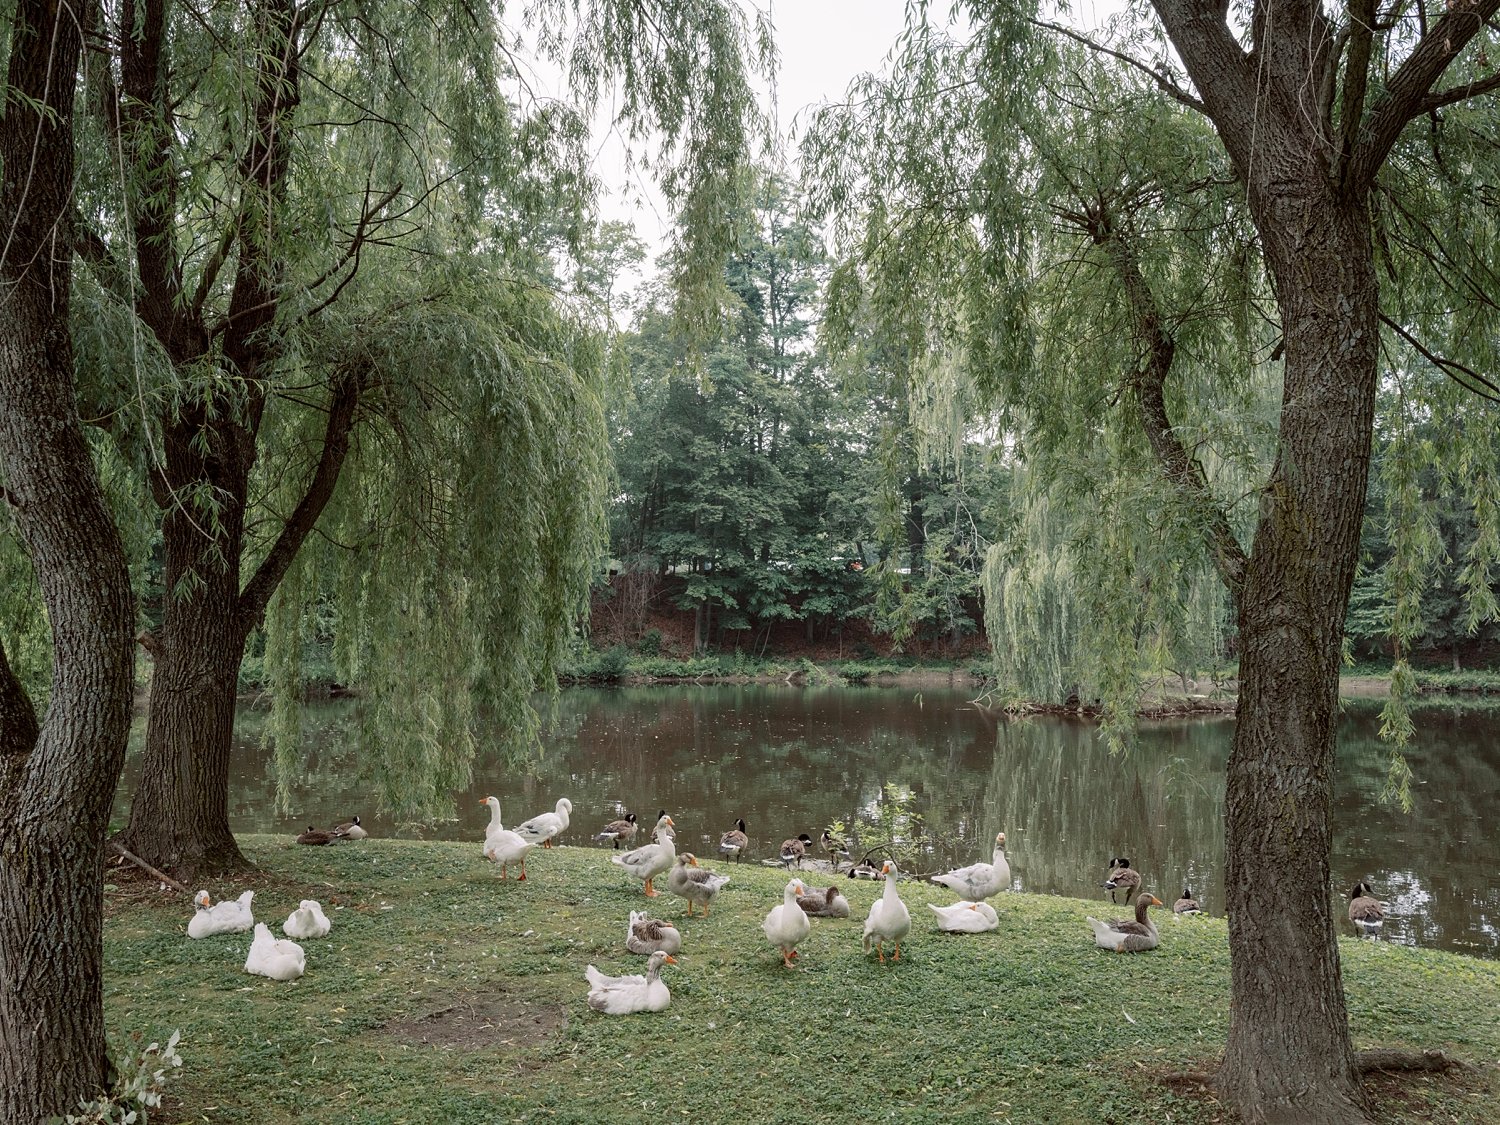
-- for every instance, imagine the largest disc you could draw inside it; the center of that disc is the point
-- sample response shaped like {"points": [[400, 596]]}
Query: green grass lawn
{"points": [[446, 996]]}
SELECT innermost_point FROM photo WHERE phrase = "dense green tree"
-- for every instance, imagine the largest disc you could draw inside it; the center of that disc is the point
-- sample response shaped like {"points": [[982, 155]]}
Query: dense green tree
{"points": [[1161, 264]]}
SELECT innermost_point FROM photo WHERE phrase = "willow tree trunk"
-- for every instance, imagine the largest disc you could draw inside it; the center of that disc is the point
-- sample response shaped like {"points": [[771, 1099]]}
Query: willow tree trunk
{"points": [[1288, 1056], [56, 791]]}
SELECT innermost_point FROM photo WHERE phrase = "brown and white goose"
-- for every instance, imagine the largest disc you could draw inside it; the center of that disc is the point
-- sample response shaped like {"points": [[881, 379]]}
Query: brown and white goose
{"points": [[1365, 910], [1122, 877], [1129, 937]]}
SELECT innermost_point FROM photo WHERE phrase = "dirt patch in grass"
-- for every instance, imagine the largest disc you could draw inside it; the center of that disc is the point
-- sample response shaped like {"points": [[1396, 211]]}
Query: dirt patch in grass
{"points": [[483, 1020]]}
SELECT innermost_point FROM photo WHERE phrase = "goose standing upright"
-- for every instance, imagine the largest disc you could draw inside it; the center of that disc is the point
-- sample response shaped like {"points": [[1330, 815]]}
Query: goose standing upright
{"points": [[541, 828], [979, 881], [501, 844], [834, 848], [735, 841], [618, 830], [650, 860], [786, 925], [1122, 877], [1365, 910], [793, 850], [889, 919], [695, 883]]}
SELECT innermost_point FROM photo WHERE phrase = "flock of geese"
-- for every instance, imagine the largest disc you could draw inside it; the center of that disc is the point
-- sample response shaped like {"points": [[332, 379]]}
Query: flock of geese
{"points": [[785, 925]]}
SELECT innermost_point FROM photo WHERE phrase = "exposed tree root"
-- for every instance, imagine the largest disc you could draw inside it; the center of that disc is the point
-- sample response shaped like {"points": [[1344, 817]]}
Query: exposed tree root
{"points": [[1392, 1060]]}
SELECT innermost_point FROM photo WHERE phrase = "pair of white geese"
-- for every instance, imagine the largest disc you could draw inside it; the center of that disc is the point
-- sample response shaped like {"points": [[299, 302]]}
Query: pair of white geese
{"points": [[788, 924], [269, 956], [510, 845]]}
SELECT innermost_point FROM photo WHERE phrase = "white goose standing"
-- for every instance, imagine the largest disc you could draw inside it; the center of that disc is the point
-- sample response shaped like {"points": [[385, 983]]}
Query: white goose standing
{"points": [[501, 844], [889, 919], [979, 881]]}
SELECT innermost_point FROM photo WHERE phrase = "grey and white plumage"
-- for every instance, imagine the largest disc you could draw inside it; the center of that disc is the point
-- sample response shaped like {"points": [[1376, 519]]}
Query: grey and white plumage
{"points": [[1122, 877], [735, 841], [688, 880], [1122, 936]]}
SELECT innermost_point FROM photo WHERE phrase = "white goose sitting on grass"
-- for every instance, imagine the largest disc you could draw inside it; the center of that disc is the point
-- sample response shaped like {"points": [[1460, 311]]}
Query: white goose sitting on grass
{"points": [[220, 917], [275, 958], [307, 921], [620, 996], [966, 917]]}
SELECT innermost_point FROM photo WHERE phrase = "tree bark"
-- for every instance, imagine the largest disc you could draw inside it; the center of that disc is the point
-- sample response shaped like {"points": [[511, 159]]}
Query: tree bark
{"points": [[58, 793]]}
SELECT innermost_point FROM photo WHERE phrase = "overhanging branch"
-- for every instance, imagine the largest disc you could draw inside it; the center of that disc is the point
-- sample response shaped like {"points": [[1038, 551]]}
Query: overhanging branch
{"points": [[1466, 377]]}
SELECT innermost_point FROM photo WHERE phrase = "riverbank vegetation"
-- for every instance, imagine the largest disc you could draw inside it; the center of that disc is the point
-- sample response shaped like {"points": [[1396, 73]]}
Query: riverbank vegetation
{"points": [[445, 993]]}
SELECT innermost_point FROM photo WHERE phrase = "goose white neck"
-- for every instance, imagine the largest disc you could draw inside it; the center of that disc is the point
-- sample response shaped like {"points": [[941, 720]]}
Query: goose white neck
{"points": [[494, 804]]}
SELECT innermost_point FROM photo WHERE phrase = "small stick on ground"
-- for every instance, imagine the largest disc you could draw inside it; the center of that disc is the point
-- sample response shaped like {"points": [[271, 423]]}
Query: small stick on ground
{"points": [[148, 869]]}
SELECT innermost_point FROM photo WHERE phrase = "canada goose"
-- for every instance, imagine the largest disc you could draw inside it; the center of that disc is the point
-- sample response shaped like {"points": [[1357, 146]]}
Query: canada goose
{"points": [[1129, 937], [1365, 910], [734, 842], [315, 836], [1122, 877], [1187, 904], [834, 848], [617, 830], [350, 829], [792, 851]]}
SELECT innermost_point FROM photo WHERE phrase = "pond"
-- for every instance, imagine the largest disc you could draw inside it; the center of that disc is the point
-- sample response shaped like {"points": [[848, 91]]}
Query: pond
{"points": [[791, 759]]}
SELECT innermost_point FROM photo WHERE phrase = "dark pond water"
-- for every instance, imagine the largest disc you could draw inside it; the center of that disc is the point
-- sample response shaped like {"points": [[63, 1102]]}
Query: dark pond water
{"points": [[791, 759]]}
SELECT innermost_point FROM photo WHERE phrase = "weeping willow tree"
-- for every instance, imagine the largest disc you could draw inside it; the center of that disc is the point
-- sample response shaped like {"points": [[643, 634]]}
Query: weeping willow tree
{"points": [[322, 310], [1156, 245]]}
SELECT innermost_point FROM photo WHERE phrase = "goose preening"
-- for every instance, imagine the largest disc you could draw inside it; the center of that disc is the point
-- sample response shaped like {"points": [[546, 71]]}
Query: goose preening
{"points": [[1365, 910], [650, 860], [618, 831], [979, 881], [693, 882], [220, 917], [315, 836], [889, 919], [541, 828], [792, 851], [734, 842], [786, 925], [619, 996], [826, 903], [1129, 937], [966, 917], [501, 844], [864, 869], [834, 848], [1122, 877], [1187, 904], [350, 829], [649, 935], [307, 921], [273, 957]]}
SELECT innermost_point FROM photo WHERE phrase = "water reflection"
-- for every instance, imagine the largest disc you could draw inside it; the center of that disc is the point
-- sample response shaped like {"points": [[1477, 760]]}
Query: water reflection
{"points": [[792, 760]]}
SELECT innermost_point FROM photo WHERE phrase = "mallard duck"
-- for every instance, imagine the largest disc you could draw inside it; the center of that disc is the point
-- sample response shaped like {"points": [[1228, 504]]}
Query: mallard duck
{"points": [[827, 903], [889, 919], [1122, 877], [501, 844], [315, 836], [1187, 904], [650, 860], [619, 996], [786, 925], [617, 830], [307, 921], [734, 842], [220, 917], [1365, 910], [689, 880], [792, 851], [1129, 937], [647, 935], [834, 848], [966, 917], [541, 828], [979, 881], [350, 829], [273, 957]]}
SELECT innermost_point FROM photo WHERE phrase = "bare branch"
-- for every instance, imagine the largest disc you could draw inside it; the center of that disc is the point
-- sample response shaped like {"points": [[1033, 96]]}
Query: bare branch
{"points": [[1460, 93], [1163, 82], [1463, 375]]}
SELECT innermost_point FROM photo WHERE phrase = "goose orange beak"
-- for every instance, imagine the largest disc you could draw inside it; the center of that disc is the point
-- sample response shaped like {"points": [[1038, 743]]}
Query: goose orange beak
{"points": [[671, 960]]}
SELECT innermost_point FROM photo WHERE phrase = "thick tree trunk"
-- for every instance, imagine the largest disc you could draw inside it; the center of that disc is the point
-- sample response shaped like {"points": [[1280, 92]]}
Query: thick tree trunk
{"points": [[1288, 1056], [57, 793]]}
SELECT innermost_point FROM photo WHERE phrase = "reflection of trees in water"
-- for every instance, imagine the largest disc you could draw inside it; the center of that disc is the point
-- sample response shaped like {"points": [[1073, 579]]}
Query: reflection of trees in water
{"points": [[790, 760]]}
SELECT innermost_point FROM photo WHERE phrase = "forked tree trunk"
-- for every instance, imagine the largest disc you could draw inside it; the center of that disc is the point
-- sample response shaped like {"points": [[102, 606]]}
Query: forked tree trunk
{"points": [[1288, 1057], [55, 792]]}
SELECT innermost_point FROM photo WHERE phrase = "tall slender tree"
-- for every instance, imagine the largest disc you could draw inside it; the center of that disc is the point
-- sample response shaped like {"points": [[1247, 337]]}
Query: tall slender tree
{"points": [[57, 776]]}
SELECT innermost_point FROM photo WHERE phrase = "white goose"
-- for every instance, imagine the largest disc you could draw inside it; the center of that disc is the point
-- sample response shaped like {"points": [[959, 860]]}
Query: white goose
{"points": [[619, 996], [889, 919], [541, 828], [501, 844], [220, 917], [787, 924], [650, 860], [979, 881], [307, 921], [965, 917], [277, 959]]}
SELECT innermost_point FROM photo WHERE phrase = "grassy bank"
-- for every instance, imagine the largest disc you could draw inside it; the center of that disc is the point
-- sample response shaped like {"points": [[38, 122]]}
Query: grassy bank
{"points": [[444, 995], [620, 665]]}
